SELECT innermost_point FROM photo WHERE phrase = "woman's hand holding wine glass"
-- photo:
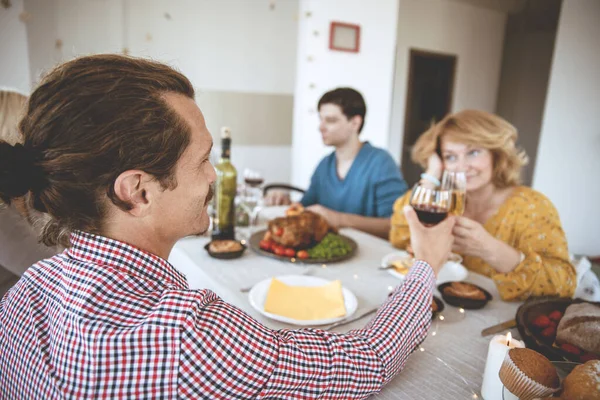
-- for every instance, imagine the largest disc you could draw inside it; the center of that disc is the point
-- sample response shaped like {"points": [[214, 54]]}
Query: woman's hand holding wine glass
{"points": [[456, 183]]}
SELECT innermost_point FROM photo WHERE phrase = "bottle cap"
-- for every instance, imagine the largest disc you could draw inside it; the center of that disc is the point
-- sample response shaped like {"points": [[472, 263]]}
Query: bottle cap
{"points": [[226, 132]]}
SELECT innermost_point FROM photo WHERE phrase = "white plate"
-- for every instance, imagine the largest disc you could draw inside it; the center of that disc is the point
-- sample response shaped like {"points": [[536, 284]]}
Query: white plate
{"points": [[258, 295], [451, 270]]}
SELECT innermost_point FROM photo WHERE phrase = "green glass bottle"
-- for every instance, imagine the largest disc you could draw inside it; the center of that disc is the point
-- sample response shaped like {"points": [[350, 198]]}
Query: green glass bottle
{"points": [[225, 190]]}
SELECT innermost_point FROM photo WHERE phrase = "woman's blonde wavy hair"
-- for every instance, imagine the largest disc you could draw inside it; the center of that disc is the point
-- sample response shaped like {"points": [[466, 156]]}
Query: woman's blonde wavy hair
{"points": [[481, 129], [12, 109]]}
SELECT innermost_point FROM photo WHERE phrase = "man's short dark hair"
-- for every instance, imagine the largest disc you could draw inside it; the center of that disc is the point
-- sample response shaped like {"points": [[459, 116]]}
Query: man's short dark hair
{"points": [[349, 100]]}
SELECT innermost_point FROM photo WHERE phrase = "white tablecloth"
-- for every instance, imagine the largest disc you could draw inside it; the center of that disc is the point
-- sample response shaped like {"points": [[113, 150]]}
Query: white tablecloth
{"points": [[449, 364]]}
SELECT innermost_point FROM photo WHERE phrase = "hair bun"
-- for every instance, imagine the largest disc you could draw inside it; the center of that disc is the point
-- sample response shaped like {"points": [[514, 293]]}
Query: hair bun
{"points": [[17, 171]]}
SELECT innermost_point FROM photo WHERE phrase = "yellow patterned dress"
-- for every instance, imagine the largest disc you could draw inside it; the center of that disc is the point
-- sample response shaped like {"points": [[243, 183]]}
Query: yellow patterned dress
{"points": [[529, 222]]}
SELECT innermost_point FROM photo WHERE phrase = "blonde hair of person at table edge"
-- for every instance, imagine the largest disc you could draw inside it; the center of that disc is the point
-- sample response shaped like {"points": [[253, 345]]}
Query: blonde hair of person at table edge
{"points": [[508, 232]]}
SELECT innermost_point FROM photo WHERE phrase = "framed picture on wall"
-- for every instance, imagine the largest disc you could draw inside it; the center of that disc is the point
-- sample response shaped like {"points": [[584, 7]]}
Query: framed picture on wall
{"points": [[344, 37]]}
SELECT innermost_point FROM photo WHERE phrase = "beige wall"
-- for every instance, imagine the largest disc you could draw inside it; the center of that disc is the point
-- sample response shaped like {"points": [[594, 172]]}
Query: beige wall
{"points": [[523, 86], [254, 118]]}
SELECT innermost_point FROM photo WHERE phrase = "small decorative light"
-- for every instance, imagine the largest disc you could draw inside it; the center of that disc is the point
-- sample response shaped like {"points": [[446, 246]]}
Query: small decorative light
{"points": [[24, 16], [461, 310], [433, 333], [324, 266], [421, 348], [441, 317], [475, 396], [390, 288], [243, 241], [293, 259]]}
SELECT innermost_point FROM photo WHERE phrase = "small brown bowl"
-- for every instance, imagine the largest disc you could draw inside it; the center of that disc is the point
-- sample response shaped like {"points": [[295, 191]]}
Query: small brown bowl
{"points": [[227, 255], [469, 304], [440, 305]]}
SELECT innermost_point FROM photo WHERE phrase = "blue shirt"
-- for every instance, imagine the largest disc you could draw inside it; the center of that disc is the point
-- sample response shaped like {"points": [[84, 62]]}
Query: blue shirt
{"points": [[370, 188]]}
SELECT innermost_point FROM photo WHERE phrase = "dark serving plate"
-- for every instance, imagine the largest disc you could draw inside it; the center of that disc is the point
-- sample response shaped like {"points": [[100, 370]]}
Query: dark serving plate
{"points": [[469, 304], [440, 305], [532, 309], [230, 255], [257, 237]]}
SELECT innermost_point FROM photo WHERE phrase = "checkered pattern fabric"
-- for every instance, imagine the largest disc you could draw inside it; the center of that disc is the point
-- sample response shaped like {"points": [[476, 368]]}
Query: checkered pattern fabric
{"points": [[106, 320]]}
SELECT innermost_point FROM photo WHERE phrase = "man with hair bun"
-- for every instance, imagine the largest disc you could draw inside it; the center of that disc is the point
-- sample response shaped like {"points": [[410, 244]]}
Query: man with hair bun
{"points": [[116, 152]]}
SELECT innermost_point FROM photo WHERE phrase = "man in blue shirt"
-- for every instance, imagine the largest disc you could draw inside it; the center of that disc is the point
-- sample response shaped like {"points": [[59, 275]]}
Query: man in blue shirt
{"points": [[356, 185]]}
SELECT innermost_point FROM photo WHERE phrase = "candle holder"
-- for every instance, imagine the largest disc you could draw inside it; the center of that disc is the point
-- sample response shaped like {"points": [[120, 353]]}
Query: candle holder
{"points": [[492, 387]]}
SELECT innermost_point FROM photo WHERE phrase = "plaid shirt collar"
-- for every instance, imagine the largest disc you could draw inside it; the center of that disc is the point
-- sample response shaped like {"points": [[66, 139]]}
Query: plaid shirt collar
{"points": [[102, 251]]}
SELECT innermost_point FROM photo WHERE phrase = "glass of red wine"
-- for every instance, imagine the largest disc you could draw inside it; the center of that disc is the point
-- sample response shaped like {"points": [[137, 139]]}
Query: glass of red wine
{"points": [[432, 205]]}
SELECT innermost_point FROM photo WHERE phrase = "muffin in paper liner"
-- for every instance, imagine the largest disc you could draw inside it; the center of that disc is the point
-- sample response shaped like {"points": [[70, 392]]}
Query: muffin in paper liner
{"points": [[520, 384]]}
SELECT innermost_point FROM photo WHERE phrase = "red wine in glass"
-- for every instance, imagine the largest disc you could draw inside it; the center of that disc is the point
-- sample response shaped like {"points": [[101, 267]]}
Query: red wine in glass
{"points": [[430, 214], [254, 182]]}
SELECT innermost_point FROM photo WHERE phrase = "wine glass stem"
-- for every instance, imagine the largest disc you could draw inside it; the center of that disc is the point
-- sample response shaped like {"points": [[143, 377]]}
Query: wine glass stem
{"points": [[252, 220]]}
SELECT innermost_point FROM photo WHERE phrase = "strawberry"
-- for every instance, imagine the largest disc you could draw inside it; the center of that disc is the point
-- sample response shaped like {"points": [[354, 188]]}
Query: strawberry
{"points": [[588, 357], [549, 332], [569, 348], [541, 322], [555, 315]]}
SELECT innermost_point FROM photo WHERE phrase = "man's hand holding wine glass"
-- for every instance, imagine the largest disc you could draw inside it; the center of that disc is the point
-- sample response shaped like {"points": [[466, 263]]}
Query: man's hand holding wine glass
{"points": [[430, 243]]}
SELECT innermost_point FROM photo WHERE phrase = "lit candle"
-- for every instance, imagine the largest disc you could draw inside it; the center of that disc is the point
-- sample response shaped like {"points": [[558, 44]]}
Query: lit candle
{"points": [[491, 388]]}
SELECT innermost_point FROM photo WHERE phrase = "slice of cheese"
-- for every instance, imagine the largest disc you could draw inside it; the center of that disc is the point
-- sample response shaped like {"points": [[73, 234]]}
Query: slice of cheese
{"points": [[305, 303]]}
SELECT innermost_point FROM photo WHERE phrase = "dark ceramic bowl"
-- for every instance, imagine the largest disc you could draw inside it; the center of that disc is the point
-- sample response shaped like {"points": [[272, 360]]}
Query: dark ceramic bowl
{"points": [[532, 335], [440, 305], [468, 304], [229, 255]]}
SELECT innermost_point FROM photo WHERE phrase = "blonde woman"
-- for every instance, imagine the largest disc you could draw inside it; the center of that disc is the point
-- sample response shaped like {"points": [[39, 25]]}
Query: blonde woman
{"points": [[19, 244], [508, 232]]}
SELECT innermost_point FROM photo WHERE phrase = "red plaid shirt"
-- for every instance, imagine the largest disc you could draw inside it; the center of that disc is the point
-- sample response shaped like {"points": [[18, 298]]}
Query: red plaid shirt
{"points": [[106, 320]]}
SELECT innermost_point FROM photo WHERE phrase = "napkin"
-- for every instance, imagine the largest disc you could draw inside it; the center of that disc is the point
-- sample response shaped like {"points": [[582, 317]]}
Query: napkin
{"points": [[305, 303]]}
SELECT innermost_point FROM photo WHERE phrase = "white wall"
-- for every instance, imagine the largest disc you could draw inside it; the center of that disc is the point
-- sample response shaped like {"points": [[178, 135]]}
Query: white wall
{"points": [[14, 59], [235, 45], [568, 164], [225, 46], [475, 35], [370, 71]]}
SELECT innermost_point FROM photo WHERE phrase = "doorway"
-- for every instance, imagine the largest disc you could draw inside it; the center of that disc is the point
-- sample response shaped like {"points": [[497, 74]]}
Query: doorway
{"points": [[428, 100]]}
